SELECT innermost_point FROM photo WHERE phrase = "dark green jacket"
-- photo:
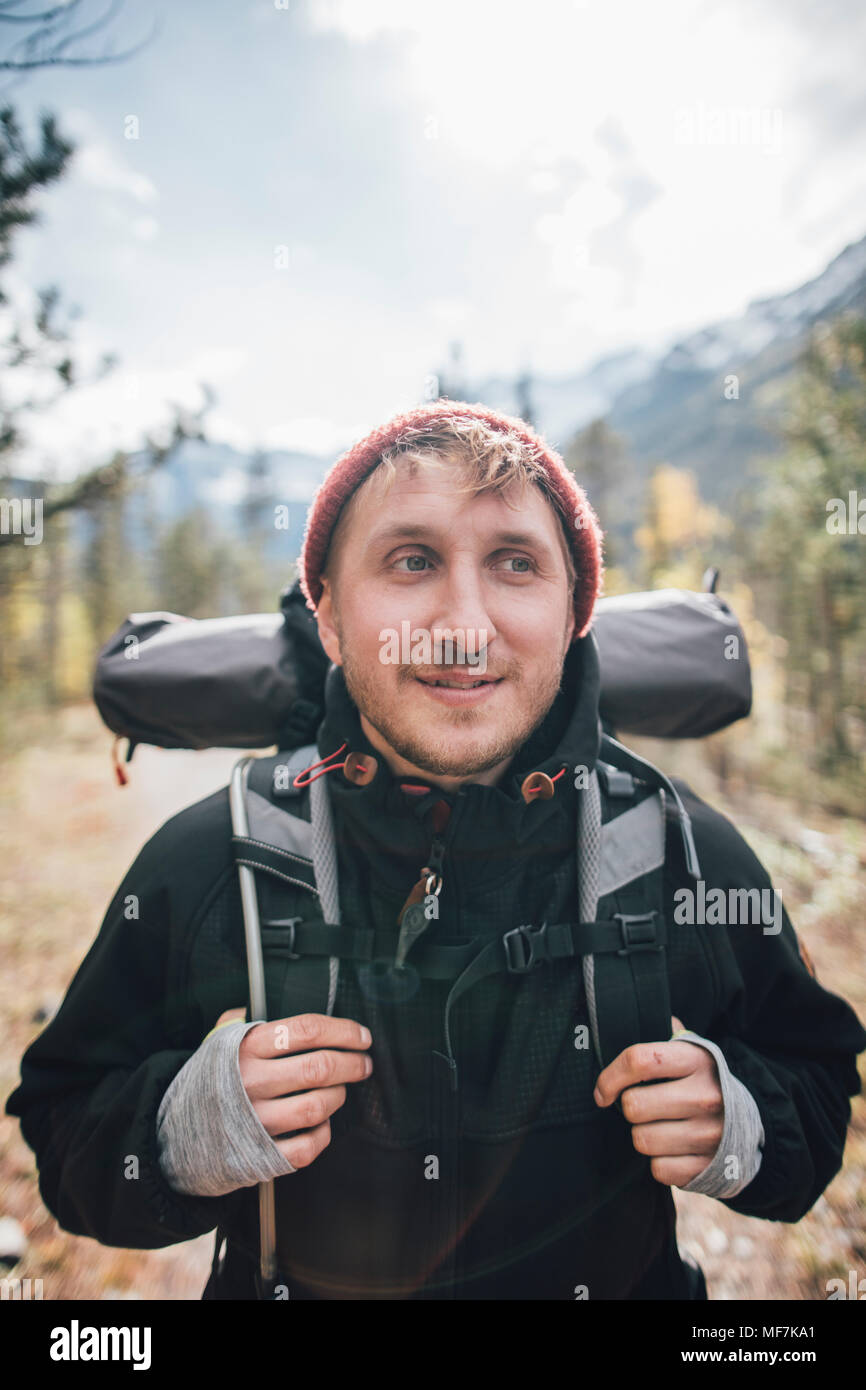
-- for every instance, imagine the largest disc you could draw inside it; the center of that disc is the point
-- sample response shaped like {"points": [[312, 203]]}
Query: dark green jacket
{"points": [[538, 1192]]}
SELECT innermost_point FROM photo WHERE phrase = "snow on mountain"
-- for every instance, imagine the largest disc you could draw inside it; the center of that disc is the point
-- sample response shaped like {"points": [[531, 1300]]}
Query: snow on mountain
{"points": [[782, 316], [562, 405], [668, 405]]}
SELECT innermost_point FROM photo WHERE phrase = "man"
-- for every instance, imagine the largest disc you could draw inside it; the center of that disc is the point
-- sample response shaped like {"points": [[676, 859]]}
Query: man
{"points": [[429, 1143]]}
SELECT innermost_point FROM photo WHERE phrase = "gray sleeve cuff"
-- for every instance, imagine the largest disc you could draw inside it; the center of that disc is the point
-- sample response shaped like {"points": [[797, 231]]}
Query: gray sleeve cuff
{"points": [[738, 1157], [210, 1139]]}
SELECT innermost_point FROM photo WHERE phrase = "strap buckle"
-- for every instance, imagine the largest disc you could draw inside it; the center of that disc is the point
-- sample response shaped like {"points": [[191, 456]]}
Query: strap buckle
{"points": [[291, 923], [639, 932], [525, 948]]}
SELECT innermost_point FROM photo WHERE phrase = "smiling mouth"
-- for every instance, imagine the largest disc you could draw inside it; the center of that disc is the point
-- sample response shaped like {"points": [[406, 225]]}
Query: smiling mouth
{"points": [[457, 682]]}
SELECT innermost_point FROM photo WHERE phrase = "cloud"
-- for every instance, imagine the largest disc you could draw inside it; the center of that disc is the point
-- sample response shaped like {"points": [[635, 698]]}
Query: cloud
{"points": [[144, 228], [313, 434], [555, 214], [88, 423], [100, 168], [361, 22]]}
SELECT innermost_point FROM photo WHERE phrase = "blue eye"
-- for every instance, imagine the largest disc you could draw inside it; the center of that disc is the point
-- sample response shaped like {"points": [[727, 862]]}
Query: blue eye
{"points": [[414, 569]]}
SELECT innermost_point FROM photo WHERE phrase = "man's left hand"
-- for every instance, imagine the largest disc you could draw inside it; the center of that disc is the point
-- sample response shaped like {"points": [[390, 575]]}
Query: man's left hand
{"points": [[678, 1122]]}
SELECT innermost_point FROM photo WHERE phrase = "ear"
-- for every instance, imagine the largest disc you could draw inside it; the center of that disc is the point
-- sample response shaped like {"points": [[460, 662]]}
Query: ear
{"points": [[325, 619]]}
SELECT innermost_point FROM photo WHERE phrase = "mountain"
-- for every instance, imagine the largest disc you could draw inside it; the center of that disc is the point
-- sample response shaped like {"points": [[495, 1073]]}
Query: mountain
{"points": [[561, 405], [669, 407], [674, 408], [680, 413], [223, 482]]}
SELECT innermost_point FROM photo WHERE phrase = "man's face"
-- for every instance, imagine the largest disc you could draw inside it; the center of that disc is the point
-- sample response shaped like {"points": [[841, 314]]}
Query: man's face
{"points": [[438, 561]]}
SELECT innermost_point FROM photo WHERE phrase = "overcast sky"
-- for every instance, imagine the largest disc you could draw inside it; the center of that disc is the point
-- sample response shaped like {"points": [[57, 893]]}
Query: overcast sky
{"points": [[322, 194]]}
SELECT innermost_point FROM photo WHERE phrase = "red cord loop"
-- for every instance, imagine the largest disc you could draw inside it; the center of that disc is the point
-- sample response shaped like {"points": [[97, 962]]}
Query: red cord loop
{"points": [[122, 779], [297, 782]]}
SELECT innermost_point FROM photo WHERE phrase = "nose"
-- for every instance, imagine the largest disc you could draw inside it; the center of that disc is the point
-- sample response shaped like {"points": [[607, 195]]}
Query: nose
{"points": [[462, 604]]}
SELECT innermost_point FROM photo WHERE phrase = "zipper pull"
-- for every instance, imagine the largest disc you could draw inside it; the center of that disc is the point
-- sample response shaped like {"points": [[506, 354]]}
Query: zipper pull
{"points": [[417, 895], [414, 924], [412, 918], [420, 890]]}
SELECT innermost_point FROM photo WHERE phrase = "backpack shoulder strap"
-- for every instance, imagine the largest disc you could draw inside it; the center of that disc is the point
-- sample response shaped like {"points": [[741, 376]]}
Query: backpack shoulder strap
{"points": [[621, 854], [622, 818], [289, 847], [623, 759], [289, 837], [279, 836]]}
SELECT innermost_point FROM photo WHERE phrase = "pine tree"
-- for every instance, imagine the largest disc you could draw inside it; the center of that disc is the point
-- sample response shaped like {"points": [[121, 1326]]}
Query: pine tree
{"points": [[597, 458], [810, 553]]}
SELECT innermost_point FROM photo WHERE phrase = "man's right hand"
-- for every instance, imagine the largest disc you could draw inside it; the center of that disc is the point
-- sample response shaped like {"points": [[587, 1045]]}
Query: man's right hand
{"points": [[295, 1072]]}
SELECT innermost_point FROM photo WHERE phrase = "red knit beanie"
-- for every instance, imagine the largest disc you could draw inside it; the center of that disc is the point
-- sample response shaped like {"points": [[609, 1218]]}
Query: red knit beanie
{"points": [[579, 520]]}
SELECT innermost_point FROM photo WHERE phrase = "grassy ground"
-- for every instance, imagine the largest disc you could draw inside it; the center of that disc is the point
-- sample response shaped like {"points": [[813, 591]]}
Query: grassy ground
{"points": [[70, 834]]}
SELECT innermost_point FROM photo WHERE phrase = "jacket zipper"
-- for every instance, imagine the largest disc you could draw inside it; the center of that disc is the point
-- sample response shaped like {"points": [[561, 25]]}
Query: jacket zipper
{"points": [[437, 851], [449, 1108]]}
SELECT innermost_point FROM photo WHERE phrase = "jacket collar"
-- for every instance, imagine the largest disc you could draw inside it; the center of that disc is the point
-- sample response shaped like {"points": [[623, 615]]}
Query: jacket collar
{"points": [[394, 828]]}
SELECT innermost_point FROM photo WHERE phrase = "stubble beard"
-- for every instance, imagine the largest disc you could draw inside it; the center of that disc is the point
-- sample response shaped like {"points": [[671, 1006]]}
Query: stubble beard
{"points": [[434, 752]]}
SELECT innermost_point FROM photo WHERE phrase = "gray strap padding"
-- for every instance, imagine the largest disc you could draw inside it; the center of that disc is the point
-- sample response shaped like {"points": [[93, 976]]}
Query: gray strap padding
{"points": [[588, 862], [297, 762], [632, 844], [238, 791], [610, 856], [324, 856], [273, 826]]}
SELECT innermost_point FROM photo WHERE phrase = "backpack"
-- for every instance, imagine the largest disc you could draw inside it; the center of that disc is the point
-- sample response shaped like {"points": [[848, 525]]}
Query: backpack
{"points": [[625, 807], [674, 664]]}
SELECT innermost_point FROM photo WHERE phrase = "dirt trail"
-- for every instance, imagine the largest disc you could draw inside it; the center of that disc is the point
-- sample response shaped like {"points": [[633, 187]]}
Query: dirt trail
{"points": [[69, 835]]}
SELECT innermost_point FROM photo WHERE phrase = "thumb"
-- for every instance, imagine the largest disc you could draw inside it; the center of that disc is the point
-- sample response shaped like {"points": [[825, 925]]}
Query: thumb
{"points": [[229, 1016], [677, 1026]]}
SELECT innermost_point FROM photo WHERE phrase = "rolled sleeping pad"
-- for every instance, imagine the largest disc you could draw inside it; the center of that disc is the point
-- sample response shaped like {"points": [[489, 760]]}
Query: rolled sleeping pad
{"points": [[674, 664]]}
